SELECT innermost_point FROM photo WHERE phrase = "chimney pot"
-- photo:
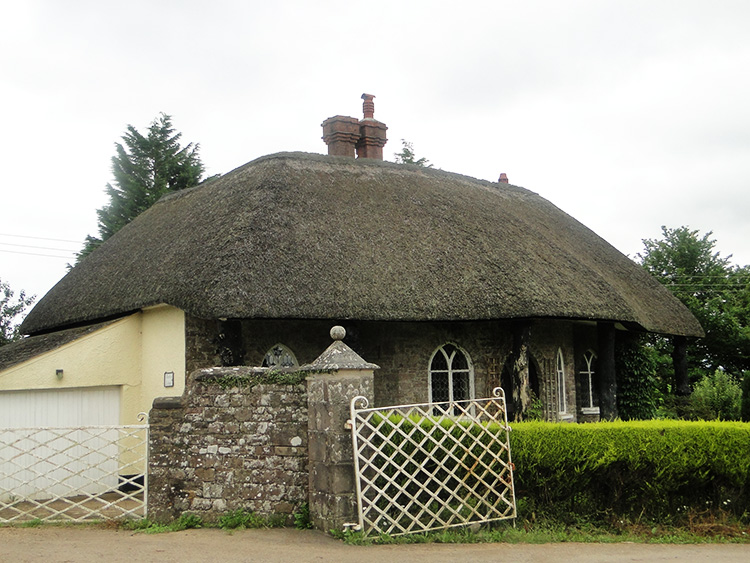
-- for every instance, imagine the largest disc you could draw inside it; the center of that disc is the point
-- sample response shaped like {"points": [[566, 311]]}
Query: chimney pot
{"points": [[503, 178], [368, 106]]}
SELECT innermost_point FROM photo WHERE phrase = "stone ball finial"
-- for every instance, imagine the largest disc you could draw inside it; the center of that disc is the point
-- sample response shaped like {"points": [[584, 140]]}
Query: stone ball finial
{"points": [[338, 332]]}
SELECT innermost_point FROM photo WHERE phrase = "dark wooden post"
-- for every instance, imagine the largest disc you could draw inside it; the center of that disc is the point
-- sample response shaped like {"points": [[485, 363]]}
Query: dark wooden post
{"points": [[607, 375], [520, 362], [679, 361]]}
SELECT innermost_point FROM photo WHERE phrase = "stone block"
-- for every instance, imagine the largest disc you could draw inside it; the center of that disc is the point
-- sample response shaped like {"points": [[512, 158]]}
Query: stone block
{"points": [[317, 447], [339, 448], [213, 490], [342, 479], [320, 478]]}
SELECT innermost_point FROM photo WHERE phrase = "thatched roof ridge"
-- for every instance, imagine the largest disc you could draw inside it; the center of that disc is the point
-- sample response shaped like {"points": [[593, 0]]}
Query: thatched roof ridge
{"points": [[295, 235]]}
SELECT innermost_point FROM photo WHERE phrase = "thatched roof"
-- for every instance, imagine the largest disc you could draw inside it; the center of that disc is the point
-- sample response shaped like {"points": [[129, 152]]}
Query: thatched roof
{"points": [[303, 236]]}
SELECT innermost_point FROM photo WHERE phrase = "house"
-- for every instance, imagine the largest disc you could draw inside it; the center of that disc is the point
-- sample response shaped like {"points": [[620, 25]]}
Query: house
{"points": [[452, 285]]}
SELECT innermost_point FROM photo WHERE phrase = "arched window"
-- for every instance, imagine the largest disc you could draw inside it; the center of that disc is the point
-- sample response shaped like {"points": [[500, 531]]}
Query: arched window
{"points": [[451, 375], [279, 356], [562, 402], [589, 397]]}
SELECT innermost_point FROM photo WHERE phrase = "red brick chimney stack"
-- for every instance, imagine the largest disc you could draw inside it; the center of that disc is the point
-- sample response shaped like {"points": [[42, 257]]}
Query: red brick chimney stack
{"points": [[341, 134], [371, 132], [344, 135], [503, 178]]}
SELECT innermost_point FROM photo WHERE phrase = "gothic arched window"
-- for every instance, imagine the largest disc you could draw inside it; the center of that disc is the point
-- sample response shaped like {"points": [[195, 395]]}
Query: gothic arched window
{"points": [[562, 401], [451, 375], [279, 356]]}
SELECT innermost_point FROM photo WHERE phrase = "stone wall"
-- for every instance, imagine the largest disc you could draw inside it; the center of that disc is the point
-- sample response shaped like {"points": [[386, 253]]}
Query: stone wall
{"points": [[403, 350], [224, 446], [201, 348]]}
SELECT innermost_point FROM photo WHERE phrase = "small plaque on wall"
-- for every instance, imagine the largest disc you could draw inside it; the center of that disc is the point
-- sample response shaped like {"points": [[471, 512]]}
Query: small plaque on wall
{"points": [[168, 379]]}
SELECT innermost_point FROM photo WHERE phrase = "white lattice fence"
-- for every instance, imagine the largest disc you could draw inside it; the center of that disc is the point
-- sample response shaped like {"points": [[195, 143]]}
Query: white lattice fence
{"points": [[73, 474], [432, 466]]}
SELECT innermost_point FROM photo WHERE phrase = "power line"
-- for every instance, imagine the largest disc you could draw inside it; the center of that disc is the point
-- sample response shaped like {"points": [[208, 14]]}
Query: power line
{"points": [[38, 247], [69, 257], [41, 238]]}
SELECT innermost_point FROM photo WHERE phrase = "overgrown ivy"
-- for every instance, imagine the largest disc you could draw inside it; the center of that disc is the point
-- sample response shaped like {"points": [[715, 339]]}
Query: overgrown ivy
{"points": [[637, 384]]}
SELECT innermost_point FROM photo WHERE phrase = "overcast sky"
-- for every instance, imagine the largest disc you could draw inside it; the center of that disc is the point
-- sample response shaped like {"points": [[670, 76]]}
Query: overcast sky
{"points": [[628, 115]]}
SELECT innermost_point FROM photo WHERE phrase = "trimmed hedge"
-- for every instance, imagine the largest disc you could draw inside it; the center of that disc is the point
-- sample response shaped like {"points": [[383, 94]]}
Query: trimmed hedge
{"points": [[655, 470]]}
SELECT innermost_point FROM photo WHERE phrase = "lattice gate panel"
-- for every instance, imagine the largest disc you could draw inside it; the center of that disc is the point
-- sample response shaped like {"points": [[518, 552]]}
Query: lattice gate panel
{"points": [[432, 466], [73, 474]]}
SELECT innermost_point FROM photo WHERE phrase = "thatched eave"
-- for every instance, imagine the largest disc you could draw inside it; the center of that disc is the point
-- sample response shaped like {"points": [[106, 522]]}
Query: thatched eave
{"points": [[303, 236]]}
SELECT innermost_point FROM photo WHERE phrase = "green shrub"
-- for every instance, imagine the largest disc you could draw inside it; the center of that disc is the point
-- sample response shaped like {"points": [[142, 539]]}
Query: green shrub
{"points": [[187, 521], [145, 525], [241, 519], [657, 470], [717, 397], [601, 473], [302, 517]]}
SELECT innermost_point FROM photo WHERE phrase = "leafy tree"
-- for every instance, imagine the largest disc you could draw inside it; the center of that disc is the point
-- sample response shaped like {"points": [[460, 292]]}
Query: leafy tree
{"points": [[716, 292], [407, 156], [718, 397], [145, 168], [10, 309]]}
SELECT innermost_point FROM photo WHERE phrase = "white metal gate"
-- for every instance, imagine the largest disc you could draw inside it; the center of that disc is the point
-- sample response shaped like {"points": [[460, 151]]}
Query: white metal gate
{"points": [[432, 466], [74, 474]]}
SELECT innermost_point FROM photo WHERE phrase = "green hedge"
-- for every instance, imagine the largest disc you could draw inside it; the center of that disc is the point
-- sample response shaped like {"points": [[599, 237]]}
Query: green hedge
{"points": [[658, 470], [655, 470]]}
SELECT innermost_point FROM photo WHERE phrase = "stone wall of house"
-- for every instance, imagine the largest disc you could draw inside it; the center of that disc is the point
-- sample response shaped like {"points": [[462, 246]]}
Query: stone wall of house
{"points": [[201, 349], [223, 447], [403, 350]]}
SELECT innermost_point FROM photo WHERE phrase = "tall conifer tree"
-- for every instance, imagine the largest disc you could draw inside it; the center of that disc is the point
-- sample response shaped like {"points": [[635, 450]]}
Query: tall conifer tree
{"points": [[145, 168]]}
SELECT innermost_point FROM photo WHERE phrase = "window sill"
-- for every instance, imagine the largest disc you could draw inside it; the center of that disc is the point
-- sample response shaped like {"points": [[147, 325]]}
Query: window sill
{"points": [[564, 416], [590, 410]]}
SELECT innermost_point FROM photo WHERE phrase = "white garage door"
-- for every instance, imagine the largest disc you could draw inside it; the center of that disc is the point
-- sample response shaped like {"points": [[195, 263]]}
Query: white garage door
{"points": [[40, 463], [85, 406]]}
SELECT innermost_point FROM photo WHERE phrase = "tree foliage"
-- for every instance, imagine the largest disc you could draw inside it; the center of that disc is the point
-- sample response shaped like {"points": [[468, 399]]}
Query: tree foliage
{"points": [[718, 396], [407, 155], [10, 309], [714, 290], [637, 386], [145, 167]]}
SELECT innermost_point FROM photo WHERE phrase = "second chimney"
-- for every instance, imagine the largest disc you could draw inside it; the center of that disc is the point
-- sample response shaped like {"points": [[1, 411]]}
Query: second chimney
{"points": [[345, 135]]}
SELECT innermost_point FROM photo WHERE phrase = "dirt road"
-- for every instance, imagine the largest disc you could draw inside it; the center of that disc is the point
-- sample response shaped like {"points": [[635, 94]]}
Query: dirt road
{"points": [[60, 544]]}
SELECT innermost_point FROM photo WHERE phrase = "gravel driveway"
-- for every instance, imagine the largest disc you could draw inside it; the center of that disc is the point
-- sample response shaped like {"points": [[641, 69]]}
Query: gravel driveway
{"points": [[55, 544]]}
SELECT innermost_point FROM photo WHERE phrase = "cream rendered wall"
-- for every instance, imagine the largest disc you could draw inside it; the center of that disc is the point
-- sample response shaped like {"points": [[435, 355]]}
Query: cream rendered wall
{"points": [[132, 353], [163, 350]]}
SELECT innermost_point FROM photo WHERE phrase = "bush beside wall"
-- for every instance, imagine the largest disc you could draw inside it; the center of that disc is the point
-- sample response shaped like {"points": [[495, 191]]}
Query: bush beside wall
{"points": [[653, 470]]}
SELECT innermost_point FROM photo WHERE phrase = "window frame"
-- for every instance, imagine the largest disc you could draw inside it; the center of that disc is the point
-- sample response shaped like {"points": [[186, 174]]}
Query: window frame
{"points": [[450, 371], [587, 373], [284, 350], [562, 396]]}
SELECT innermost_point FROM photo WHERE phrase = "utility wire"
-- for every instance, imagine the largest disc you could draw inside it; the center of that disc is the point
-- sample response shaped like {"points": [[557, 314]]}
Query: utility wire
{"points": [[38, 247], [41, 238], [69, 257]]}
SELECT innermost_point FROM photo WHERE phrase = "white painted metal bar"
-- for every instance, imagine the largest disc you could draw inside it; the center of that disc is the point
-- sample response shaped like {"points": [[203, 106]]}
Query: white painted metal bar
{"points": [[73, 474], [431, 466]]}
